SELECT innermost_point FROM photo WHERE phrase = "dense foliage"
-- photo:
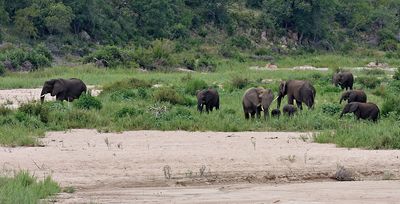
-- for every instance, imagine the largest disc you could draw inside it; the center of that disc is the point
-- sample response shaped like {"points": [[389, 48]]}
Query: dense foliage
{"points": [[326, 24]]}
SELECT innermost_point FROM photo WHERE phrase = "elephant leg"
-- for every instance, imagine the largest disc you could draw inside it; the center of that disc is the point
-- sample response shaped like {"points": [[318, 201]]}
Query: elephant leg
{"points": [[290, 99], [258, 112], [299, 105], [253, 114], [266, 113], [246, 115]]}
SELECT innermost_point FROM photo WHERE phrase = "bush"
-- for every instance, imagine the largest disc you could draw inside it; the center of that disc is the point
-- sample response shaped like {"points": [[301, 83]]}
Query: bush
{"points": [[38, 57], [114, 56], [157, 56], [369, 82], [86, 101], [132, 83], [239, 82], [331, 108], [396, 75], [167, 94], [391, 104], [194, 85], [127, 112], [241, 42], [35, 109], [2, 69]]}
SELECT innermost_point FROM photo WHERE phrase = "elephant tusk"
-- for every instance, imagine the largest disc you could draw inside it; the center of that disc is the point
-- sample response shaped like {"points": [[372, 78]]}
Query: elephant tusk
{"points": [[42, 95], [275, 99]]}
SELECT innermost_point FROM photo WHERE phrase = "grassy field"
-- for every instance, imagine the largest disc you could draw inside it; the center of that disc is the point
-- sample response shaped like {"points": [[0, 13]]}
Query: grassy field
{"points": [[130, 102], [25, 188]]}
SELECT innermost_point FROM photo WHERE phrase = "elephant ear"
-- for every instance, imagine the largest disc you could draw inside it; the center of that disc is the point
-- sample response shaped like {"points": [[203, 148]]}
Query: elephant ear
{"points": [[57, 88], [282, 87], [353, 107]]}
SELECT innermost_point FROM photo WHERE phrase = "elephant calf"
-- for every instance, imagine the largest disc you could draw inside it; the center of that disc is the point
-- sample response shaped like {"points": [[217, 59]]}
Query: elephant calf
{"points": [[276, 113], [63, 89], [289, 110], [354, 96], [256, 100], [209, 98], [343, 79], [362, 110]]}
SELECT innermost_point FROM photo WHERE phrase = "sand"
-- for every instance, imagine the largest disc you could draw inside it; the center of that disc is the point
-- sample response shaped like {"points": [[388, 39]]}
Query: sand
{"points": [[206, 167]]}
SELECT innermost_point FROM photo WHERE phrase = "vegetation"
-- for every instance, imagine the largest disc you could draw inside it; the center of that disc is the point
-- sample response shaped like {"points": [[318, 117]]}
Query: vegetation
{"points": [[25, 188]]}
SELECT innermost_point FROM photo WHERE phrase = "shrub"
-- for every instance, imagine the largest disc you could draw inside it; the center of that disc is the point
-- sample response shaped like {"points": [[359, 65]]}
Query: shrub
{"points": [[114, 56], [35, 109], [241, 42], [132, 83], [239, 82], [127, 112], [167, 94], [5, 111], [379, 91], [38, 57], [205, 63], [194, 85], [86, 101], [391, 104], [2, 69], [369, 82], [396, 75], [331, 108], [157, 56]]}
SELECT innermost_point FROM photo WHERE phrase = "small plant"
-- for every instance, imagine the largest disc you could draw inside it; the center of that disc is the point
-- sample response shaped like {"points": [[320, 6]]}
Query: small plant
{"points": [[239, 82], [4, 111], [167, 94], [68, 189], [127, 112], [86, 101], [331, 108], [391, 104], [167, 172], [35, 109], [369, 82], [194, 85], [343, 174], [396, 75]]}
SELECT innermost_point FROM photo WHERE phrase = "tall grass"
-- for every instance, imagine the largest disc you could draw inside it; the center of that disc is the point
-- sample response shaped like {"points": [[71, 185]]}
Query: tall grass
{"points": [[135, 103], [26, 188]]}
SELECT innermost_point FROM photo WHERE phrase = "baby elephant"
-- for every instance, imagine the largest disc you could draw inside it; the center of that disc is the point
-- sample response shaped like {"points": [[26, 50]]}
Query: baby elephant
{"points": [[276, 113], [354, 96], [209, 98], [289, 110], [362, 110]]}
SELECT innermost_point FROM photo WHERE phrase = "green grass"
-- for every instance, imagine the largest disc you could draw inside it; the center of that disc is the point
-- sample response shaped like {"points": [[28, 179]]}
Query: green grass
{"points": [[129, 102], [26, 188]]}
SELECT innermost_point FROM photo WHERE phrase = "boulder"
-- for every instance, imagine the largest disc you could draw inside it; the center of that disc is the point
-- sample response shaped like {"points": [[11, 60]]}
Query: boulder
{"points": [[8, 65], [26, 66]]}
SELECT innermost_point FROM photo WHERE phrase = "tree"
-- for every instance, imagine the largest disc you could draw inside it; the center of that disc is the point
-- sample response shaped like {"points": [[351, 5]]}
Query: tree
{"points": [[59, 18], [24, 21]]}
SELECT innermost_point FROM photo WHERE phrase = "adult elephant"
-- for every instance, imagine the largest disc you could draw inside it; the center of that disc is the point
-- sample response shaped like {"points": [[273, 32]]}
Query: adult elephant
{"points": [[343, 79], [209, 98], [299, 90], [256, 100], [63, 89], [362, 110], [354, 96]]}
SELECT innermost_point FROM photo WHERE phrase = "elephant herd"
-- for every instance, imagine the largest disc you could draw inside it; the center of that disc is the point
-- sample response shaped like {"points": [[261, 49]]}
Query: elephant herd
{"points": [[255, 101]]}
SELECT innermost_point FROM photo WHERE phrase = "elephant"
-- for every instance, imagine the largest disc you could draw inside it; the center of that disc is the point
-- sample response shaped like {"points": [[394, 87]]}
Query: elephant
{"points": [[209, 98], [256, 100], [362, 110], [289, 110], [301, 91], [343, 79], [354, 96], [63, 89], [276, 113]]}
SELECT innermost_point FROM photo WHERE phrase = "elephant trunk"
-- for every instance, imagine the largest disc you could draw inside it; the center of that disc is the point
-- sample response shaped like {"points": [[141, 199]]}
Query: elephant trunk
{"points": [[341, 99], [42, 94], [279, 101]]}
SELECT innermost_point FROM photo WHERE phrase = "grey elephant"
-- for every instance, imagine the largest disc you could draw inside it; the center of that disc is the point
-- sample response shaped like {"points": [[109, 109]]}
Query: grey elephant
{"points": [[354, 96], [63, 89], [301, 91], [208, 98], [276, 113], [289, 110], [343, 79], [256, 100], [362, 110]]}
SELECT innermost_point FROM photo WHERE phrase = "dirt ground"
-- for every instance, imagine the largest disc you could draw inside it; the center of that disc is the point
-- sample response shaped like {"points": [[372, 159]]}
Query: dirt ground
{"points": [[207, 167], [13, 98]]}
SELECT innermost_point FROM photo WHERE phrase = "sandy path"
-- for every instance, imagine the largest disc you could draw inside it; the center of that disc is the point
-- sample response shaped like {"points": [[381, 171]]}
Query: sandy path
{"points": [[129, 164], [13, 98]]}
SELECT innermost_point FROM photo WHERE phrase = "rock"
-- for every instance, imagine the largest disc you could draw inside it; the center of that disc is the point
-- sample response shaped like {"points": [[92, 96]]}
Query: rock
{"points": [[101, 63], [84, 35], [8, 65], [271, 66], [304, 67], [184, 70], [267, 81], [377, 65], [26, 66]]}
